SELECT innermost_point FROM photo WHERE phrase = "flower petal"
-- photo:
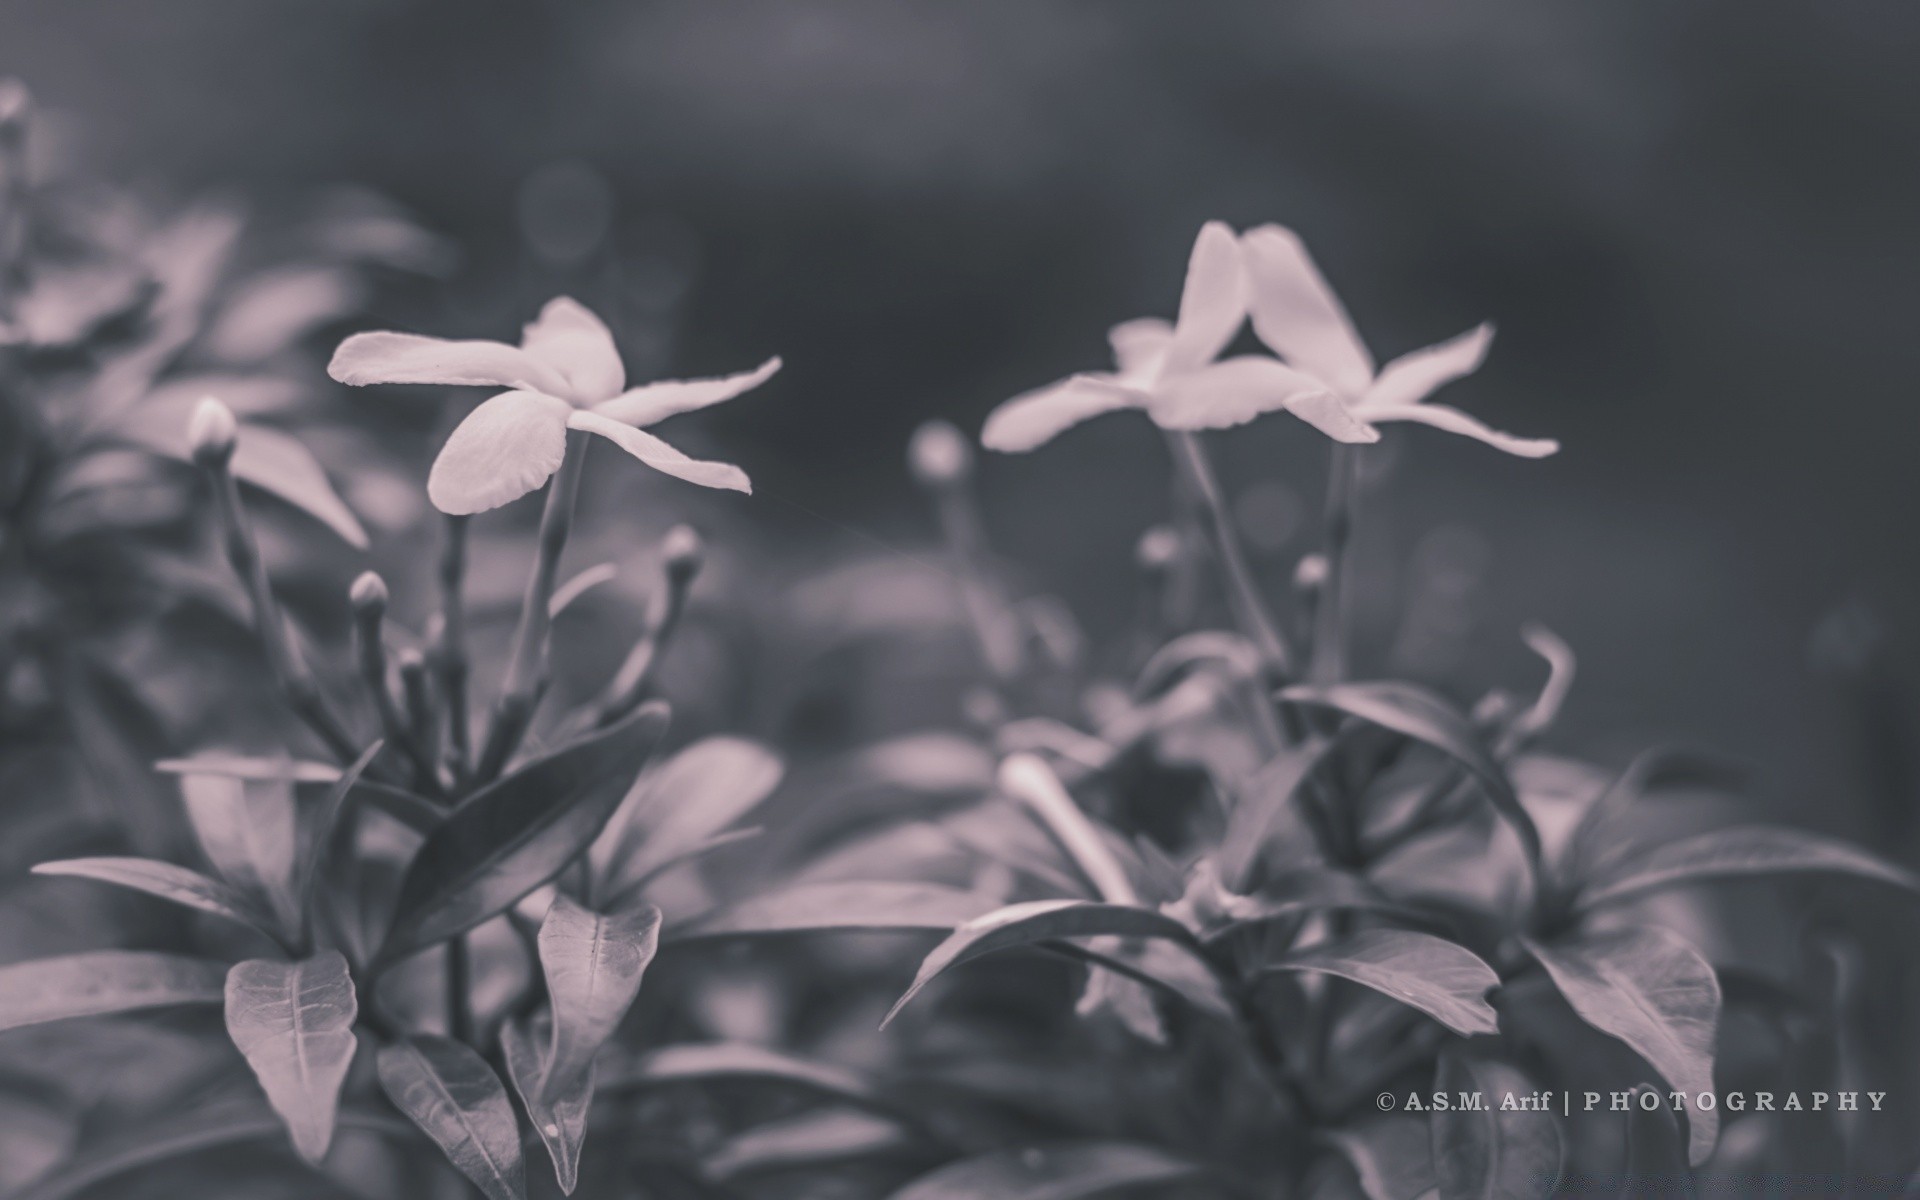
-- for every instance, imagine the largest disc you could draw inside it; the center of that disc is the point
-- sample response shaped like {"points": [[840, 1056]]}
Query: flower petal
{"points": [[505, 448], [1214, 301], [1297, 315], [660, 456], [409, 358], [1237, 390], [1140, 346], [569, 338], [655, 402], [1032, 419], [1334, 417], [1413, 377], [1454, 421]]}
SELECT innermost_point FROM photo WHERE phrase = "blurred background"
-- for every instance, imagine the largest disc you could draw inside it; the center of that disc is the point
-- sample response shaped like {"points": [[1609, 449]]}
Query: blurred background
{"points": [[1697, 225]]}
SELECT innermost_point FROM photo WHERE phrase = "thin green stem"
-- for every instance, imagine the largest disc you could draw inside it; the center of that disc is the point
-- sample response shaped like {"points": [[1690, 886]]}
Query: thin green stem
{"points": [[1243, 594], [459, 982], [1329, 662], [450, 650]]}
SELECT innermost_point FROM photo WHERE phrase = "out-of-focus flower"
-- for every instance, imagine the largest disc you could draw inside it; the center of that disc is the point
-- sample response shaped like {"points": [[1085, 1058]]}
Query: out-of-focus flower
{"points": [[1297, 315], [565, 374], [1170, 370]]}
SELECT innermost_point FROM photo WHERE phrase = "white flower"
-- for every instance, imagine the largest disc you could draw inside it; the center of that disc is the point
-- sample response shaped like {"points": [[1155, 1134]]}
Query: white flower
{"points": [[1169, 370], [1297, 315], [565, 374]]}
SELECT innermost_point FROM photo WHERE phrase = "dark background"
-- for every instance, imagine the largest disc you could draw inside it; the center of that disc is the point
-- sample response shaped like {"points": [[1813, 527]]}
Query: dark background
{"points": [[1698, 225]]}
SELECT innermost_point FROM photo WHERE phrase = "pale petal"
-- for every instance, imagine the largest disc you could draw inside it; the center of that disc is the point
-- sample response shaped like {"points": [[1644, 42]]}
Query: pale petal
{"points": [[1334, 417], [1297, 315], [660, 456], [1140, 346], [1454, 421], [1413, 377], [569, 338], [1237, 390], [1214, 301], [506, 448], [409, 358], [656, 402], [1035, 418]]}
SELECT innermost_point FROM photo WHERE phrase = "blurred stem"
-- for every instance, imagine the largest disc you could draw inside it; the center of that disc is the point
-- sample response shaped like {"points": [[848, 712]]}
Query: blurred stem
{"points": [[15, 111], [965, 532], [1249, 607], [451, 652], [526, 678], [290, 672], [1329, 662], [371, 652], [459, 979], [632, 681], [423, 720]]}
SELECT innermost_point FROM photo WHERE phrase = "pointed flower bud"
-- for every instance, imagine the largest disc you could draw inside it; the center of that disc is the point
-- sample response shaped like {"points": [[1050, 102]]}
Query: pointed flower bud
{"points": [[939, 455], [681, 553], [369, 593], [211, 432]]}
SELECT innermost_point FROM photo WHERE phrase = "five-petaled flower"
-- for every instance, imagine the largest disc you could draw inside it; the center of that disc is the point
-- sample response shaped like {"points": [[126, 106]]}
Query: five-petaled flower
{"points": [[1170, 370], [565, 374], [1298, 317]]}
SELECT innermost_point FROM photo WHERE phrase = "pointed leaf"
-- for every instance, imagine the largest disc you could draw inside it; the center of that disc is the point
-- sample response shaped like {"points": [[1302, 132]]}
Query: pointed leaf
{"points": [[515, 835], [1443, 979], [848, 907], [1653, 991], [559, 1115], [593, 963], [166, 881], [1740, 850], [455, 1098], [681, 803], [737, 1061], [246, 829], [104, 981], [1427, 717], [293, 1021], [1038, 921], [1391, 1156], [1491, 1153], [1067, 1172], [249, 766]]}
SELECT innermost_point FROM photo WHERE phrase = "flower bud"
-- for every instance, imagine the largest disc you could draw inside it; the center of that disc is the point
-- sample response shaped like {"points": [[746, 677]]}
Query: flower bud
{"points": [[1158, 549], [369, 594], [1310, 575], [210, 433], [939, 455], [681, 553]]}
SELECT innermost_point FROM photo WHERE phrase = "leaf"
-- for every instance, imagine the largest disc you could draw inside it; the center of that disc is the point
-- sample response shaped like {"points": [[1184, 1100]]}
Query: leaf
{"points": [[166, 881], [682, 803], [567, 593], [1391, 1156], [738, 1061], [246, 828], [178, 1135], [593, 964], [1443, 979], [1073, 1171], [1427, 717], [845, 907], [808, 1140], [326, 823], [247, 766], [1491, 1153], [559, 1118], [455, 1098], [1656, 1149], [293, 1021], [1033, 922], [1264, 798], [104, 981], [1653, 991], [516, 834], [1736, 851]]}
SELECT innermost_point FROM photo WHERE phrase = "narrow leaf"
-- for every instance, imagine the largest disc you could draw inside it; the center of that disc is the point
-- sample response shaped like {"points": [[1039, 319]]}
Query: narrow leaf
{"points": [[104, 981], [1067, 1172], [593, 963], [326, 821], [684, 801], [1653, 991], [1262, 803], [1491, 1153], [1391, 1156], [1033, 922], [559, 1115], [246, 828], [1740, 850], [245, 766], [294, 1023], [851, 907], [1443, 979], [166, 881], [515, 835], [455, 1098], [737, 1061]]}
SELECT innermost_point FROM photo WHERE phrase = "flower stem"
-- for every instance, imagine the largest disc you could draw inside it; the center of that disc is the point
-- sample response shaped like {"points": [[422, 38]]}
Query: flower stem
{"points": [[290, 672], [680, 564], [459, 977], [526, 678], [1329, 662], [450, 652], [1249, 607]]}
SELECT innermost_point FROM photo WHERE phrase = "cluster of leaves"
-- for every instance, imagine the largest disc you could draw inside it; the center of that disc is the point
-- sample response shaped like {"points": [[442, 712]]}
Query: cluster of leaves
{"points": [[1213, 919]]}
